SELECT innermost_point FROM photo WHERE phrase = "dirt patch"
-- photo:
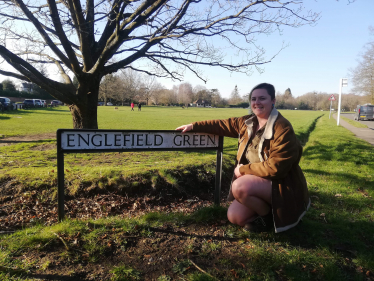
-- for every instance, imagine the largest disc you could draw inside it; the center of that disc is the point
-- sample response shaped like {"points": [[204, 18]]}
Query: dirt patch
{"points": [[26, 139], [171, 249]]}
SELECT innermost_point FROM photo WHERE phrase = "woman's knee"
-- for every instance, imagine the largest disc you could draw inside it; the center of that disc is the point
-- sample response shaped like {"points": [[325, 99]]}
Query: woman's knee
{"points": [[247, 186], [241, 188], [235, 217], [239, 214]]}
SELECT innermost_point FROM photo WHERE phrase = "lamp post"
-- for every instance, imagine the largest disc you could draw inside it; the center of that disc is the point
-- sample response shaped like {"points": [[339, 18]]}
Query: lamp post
{"points": [[343, 83]]}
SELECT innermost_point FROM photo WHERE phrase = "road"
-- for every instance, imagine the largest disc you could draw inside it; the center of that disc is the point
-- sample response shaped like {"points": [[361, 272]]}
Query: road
{"points": [[370, 124]]}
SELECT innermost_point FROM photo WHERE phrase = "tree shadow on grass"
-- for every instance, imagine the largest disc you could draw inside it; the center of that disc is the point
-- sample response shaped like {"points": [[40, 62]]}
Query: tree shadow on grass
{"points": [[349, 152], [345, 178], [337, 222]]}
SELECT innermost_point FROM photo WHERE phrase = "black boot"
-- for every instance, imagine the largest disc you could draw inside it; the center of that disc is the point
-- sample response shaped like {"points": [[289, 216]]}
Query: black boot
{"points": [[260, 224]]}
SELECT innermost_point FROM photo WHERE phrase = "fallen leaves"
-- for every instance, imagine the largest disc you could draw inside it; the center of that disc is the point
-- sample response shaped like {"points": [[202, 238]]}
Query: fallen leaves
{"points": [[30, 209]]}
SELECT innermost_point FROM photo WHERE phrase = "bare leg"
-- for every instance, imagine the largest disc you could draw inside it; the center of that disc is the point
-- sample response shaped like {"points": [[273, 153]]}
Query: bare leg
{"points": [[253, 197]]}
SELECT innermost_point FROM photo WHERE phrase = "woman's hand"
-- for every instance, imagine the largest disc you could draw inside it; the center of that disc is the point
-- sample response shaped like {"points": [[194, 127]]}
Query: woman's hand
{"points": [[237, 172], [185, 128]]}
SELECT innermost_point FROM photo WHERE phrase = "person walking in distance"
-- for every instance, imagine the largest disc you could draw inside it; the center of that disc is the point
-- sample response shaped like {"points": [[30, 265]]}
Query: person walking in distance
{"points": [[139, 106], [268, 188], [132, 106]]}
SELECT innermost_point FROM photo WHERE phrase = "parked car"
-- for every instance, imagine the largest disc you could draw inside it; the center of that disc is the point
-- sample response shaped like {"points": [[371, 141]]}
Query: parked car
{"points": [[365, 112], [109, 103], [5, 103], [44, 103], [38, 103], [100, 103], [56, 102], [29, 103]]}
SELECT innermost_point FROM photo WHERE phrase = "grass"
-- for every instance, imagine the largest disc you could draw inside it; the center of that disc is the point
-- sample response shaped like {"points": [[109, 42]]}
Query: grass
{"points": [[353, 123], [30, 168], [334, 242]]}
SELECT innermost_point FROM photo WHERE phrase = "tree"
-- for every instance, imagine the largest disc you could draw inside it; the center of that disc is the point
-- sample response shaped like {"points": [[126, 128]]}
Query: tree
{"points": [[36, 90], [109, 87], [216, 97], [350, 101], [131, 83], [287, 93], [185, 94], [149, 86], [164, 38], [235, 97], [158, 94], [8, 85], [363, 74]]}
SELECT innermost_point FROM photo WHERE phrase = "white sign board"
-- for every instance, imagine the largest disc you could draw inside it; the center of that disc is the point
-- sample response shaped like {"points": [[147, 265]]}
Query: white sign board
{"points": [[118, 140], [344, 82]]}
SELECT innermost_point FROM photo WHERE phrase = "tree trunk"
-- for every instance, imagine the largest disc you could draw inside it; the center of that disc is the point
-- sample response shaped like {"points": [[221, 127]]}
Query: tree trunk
{"points": [[84, 112]]}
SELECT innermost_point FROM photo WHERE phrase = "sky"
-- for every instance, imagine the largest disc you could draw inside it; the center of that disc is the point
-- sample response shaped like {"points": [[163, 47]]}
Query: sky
{"points": [[315, 59]]}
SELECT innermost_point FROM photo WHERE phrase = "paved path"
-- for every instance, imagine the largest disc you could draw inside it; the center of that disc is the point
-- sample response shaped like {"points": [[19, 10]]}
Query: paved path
{"points": [[366, 134]]}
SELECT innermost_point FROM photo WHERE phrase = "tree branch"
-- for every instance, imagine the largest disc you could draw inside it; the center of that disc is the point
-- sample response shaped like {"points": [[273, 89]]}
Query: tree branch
{"points": [[40, 29], [74, 64]]}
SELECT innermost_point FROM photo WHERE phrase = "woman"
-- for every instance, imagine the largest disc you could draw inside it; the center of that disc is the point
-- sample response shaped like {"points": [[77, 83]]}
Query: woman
{"points": [[268, 187]]}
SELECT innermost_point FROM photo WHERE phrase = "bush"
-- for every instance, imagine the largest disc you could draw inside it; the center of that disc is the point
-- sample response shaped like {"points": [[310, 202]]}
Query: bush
{"points": [[26, 95]]}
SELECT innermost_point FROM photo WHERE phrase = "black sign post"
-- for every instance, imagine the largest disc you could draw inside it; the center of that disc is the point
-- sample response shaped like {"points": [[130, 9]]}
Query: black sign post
{"points": [[89, 141]]}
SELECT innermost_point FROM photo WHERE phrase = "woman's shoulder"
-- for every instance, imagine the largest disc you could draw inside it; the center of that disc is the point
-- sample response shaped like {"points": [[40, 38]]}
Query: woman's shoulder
{"points": [[282, 122]]}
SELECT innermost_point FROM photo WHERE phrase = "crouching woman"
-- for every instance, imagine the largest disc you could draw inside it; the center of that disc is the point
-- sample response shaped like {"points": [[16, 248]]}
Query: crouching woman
{"points": [[268, 188]]}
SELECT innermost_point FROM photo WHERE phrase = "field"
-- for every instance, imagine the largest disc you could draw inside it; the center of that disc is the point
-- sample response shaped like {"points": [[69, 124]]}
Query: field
{"points": [[149, 216]]}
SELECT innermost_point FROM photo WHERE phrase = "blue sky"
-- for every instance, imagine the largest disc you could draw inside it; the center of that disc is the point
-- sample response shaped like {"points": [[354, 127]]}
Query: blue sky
{"points": [[316, 56]]}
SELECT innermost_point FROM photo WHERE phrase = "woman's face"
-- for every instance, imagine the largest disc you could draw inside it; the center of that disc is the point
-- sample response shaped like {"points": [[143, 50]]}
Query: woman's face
{"points": [[261, 103]]}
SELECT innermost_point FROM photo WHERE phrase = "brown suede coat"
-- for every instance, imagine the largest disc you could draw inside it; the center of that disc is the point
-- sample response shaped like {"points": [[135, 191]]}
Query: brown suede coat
{"points": [[280, 153]]}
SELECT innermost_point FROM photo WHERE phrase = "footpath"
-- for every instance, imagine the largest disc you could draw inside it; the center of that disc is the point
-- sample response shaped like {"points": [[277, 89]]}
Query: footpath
{"points": [[366, 134]]}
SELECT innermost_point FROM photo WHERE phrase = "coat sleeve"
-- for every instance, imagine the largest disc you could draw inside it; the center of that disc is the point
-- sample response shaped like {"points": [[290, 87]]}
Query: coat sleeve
{"points": [[283, 153], [227, 128]]}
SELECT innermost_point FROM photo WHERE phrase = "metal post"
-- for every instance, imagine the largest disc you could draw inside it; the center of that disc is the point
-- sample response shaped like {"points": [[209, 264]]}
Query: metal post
{"points": [[340, 100], [217, 190], [330, 108], [60, 179]]}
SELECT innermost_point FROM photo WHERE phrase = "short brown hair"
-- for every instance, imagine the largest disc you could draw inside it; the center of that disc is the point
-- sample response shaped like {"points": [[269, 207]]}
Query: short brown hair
{"points": [[268, 87]]}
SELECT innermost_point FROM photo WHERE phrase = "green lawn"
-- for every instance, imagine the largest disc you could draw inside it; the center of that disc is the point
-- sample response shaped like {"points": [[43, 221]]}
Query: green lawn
{"points": [[334, 242]]}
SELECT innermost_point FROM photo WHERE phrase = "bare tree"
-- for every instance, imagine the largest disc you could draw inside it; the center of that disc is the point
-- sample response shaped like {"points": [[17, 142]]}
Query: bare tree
{"points": [[109, 87], [363, 74], [90, 39], [131, 82], [185, 94], [158, 93], [149, 86], [350, 101], [167, 97]]}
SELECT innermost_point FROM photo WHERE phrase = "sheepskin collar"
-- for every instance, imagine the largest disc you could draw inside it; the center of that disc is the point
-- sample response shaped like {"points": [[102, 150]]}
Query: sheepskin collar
{"points": [[269, 127]]}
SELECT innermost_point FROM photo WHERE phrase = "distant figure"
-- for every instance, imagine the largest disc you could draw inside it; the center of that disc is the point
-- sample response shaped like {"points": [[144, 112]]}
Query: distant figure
{"points": [[132, 106], [139, 106]]}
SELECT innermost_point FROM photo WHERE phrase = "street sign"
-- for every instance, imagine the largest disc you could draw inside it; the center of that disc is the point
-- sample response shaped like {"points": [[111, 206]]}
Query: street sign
{"points": [[344, 82], [332, 98]]}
